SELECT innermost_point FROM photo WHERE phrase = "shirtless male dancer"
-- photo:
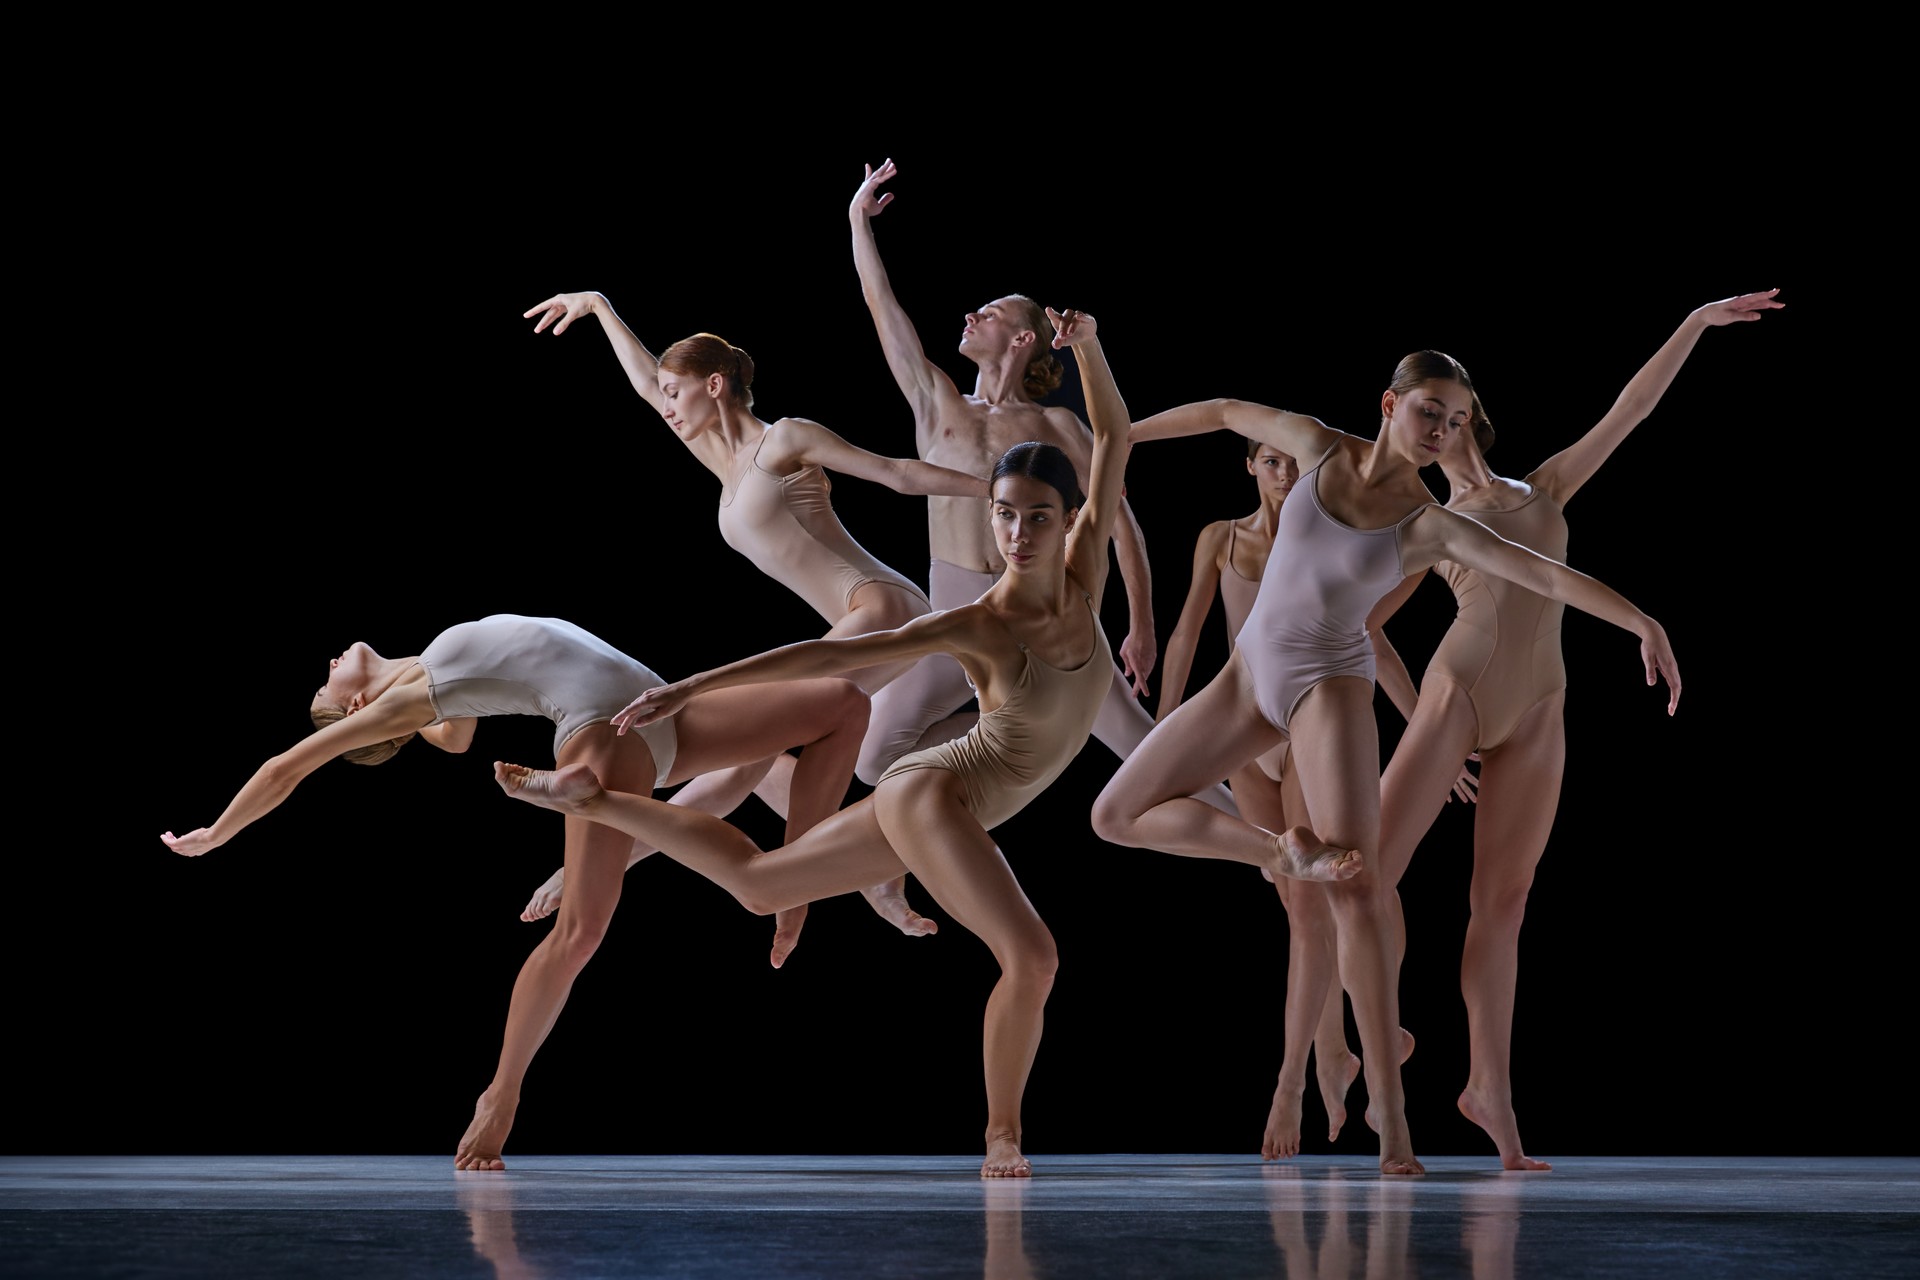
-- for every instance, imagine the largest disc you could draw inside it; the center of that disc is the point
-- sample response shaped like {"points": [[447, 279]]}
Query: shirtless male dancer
{"points": [[1007, 340]]}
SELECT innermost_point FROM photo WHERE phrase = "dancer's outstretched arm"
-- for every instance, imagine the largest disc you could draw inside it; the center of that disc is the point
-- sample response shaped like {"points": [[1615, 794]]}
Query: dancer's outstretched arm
{"points": [[802, 442], [922, 382], [1439, 534], [1298, 434], [1563, 474], [643, 370], [967, 633], [1107, 415], [394, 714]]}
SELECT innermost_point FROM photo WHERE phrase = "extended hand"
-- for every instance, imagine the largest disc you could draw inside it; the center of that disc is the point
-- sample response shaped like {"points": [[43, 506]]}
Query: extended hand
{"points": [[1138, 653], [564, 307], [1748, 306], [1070, 327], [192, 844], [868, 201], [655, 704], [1657, 654]]}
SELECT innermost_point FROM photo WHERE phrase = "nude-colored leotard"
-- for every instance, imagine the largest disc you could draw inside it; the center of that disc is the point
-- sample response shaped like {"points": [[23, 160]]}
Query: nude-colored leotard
{"points": [[1015, 750], [509, 665], [786, 525], [1504, 645], [1309, 623]]}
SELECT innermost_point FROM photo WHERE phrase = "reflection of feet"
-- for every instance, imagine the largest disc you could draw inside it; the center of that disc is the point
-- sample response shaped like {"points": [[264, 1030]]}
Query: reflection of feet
{"points": [[546, 899], [1301, 855], [480, 1145], [1005, 1161], [889, 902], [1282, 1139], [786, 932], [562, 789], [1498, 1120], [1336, 1074]]}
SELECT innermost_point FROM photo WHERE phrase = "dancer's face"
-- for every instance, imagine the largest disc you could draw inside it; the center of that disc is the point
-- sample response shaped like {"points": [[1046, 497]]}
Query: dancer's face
{"points": [[1030, 522], [1423, 421], [690, 403], [993, 329], [1274, 472], [347, 677]]}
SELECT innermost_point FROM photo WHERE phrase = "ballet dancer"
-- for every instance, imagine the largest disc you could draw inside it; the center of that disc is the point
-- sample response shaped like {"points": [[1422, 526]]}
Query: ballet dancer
{"points": [[506, 664], [775, 509], [1358, 522], [1496, 686]]}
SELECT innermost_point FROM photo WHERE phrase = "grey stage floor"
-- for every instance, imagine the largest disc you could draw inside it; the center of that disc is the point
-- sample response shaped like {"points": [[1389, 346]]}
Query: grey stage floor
{"points": [[1313, 1218]]}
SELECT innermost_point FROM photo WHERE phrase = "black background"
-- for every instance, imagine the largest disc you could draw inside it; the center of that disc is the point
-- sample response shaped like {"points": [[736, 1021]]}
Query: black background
{"points": [[342, 429]]}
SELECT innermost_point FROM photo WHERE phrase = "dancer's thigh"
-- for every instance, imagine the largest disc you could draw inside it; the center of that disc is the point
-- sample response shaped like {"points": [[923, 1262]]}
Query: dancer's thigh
{"points": [[746, 724], [1206, 738], [1336, 750], [1519, 798], [924, 815], [1426, 763]]}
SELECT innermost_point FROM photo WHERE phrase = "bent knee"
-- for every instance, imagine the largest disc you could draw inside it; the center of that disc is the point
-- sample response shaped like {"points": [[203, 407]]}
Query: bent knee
{"points": [[1115, 816], [574, 943]]}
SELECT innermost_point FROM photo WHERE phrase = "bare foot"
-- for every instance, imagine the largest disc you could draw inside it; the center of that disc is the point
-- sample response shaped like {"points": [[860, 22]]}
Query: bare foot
{"points": [[546, 899], [480, 1145], [1004, 1160], [1336, 1075], [1396, 1144], [1301, 855], [889, 902], [1498, 1120], [786, 932], [1282, 1138], [563, 789]]}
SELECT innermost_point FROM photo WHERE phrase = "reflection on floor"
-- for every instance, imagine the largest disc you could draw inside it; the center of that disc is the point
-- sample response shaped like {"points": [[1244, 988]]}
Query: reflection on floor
{"points": [[1312, 1218]]}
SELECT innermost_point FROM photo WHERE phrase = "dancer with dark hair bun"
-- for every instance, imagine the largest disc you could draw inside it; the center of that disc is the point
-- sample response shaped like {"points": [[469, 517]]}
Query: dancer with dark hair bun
{"points": [[776, 509], [506, 664], [1496, 686], [1033, 648], [1358, 522]]}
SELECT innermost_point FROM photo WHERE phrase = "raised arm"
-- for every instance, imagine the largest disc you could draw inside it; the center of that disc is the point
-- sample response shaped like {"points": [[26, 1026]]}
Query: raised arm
{"points": [[379, 721], [1107, 472], [1306, 438], [1439, 534], [1565, 472], [952, 631], [919, 379], [1185, 640], [801, 442], [562, 309]]}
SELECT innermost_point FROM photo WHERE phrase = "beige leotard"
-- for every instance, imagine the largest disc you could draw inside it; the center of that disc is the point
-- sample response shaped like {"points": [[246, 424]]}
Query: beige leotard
{"points": [[1014, 751], [1504, 645], [786, 525]]}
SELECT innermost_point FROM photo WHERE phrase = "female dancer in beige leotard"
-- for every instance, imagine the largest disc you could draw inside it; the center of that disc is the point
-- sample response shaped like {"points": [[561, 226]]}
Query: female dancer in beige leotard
{"points": [[1497, 685], [506, 664], [775, 509], [1033, 647], [1359, 522]]}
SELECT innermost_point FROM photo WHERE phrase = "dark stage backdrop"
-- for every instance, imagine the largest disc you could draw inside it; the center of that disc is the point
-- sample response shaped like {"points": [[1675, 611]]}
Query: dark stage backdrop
{"points": [[366, 441]]}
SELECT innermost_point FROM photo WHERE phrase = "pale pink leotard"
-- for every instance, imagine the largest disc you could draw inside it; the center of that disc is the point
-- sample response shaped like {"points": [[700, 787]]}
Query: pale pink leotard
{"points": [[1309, 623]]}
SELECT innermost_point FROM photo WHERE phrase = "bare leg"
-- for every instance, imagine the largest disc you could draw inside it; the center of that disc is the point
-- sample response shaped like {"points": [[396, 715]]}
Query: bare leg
{"points": [[1148, 802], [1510, 834], [924, 815], [1123, 724], [1336, 749], [718, 793], [596, 862]]}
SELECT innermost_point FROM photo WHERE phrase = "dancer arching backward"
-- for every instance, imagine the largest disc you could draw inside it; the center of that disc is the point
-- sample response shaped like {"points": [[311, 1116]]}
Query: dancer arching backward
{"points": [[1497, 684], [506, 664], [1006, 341], [1358, 522], [776, 510], [1033, 647]]}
